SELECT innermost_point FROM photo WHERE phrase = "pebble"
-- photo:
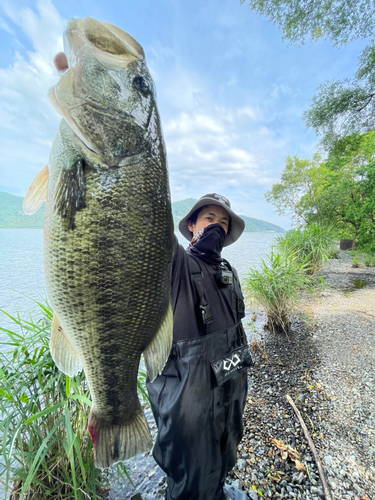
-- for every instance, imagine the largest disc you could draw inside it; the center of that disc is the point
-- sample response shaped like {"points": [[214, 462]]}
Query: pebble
{"points": [[327, 366]]}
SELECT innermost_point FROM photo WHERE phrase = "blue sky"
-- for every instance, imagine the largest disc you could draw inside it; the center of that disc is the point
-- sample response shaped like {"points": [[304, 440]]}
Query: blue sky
{"points": [[230, 92]]}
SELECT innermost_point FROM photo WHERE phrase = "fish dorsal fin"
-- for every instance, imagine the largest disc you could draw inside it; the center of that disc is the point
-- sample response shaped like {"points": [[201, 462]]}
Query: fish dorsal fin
{"points": [[62, 352], [37, 193], [157, 352]]}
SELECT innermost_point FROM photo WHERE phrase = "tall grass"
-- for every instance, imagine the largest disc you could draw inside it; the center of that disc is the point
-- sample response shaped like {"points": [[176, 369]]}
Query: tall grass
{"points": [[277, 286], [46, 451], [312, 245]]}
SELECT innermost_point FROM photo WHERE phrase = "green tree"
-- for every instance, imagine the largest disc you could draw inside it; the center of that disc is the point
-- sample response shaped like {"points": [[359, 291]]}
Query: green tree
{"points": [[340, 21], [341, 107], [350, 186], [339, 192], [344, 107], [295, 194]]}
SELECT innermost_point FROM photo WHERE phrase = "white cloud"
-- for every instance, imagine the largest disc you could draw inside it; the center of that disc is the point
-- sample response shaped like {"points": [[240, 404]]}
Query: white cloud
{"points": [[27, 119], [280, 89], [5, 26], [222, 147]]}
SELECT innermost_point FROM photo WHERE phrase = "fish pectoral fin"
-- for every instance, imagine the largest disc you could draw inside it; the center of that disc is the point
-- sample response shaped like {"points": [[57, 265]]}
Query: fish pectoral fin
{"points": [[65, 357], [37, 193], [70, 194], [157, 352]]}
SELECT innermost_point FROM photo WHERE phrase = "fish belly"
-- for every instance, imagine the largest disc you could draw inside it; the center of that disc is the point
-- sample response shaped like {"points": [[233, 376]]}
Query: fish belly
{"points": [[108, 279]]}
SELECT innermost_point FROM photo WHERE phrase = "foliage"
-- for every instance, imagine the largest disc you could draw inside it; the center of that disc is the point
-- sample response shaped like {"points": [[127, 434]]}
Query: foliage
{"points": [[277, 286], [46, 450], [344, 107], [340, 21], [313, 245], [340, 107], [295, 194], [339, 192], [369, 260]]}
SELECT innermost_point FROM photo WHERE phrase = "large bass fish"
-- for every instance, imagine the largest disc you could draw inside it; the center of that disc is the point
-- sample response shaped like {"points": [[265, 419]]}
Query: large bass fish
{"points": [[108, 230]]}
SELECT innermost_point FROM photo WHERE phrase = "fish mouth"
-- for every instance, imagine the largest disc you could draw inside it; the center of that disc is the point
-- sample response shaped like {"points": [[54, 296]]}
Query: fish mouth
{"points": [[112, 47], [109, 43]]}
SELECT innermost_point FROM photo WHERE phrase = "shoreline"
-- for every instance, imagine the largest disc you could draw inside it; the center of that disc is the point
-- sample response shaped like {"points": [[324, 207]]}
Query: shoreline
{"points": [[322, 369], [327, 366]]}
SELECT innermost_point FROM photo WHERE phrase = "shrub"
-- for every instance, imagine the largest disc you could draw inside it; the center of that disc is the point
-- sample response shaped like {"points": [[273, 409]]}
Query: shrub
{"points": [[46, 449], [369, 261], [277, 286], [355, 261], [312, 245]]}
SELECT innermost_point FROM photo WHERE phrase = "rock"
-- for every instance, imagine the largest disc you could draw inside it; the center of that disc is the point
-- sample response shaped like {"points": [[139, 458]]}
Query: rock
{"points": [[237, 484], [252, 494], [241, 464], [327, 459]]}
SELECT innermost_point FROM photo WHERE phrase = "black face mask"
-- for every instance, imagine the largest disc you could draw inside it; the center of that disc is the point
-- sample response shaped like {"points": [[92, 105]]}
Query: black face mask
{"points": [[208, 243]]}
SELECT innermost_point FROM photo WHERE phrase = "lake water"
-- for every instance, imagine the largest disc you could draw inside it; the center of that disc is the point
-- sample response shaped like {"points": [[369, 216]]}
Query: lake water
{"points": [[22, 275]]}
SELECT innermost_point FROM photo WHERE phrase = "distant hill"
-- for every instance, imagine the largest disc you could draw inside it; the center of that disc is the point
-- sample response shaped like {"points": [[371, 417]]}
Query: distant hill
{"points": [[12, 216], [181, 208]]}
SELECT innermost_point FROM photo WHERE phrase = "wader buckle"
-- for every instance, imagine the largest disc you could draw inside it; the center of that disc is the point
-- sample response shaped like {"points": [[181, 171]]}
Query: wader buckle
{"points": [[206, 314]]}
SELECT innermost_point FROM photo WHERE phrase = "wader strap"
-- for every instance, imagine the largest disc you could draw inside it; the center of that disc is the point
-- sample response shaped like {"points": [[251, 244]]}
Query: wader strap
{"points": [[240, 298], [237, 289], [197, 277]]}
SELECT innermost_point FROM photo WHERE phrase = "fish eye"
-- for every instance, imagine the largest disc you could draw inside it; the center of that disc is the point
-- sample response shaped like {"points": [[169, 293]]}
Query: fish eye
{"points": [[141, 84]]}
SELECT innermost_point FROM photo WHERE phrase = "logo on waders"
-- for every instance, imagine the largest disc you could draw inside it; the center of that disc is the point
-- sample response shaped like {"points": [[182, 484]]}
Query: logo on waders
{"points": [[231, 363]]}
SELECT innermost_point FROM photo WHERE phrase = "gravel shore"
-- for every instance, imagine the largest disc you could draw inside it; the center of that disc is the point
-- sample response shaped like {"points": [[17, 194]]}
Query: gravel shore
{"points": [[327, 365]]}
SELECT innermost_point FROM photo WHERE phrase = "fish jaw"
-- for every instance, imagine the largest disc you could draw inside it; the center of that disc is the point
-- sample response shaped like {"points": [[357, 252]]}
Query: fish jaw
{"points": [[98, 89], [110, 41]]}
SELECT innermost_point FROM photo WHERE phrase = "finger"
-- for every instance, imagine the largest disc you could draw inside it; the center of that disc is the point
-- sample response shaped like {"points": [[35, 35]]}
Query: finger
{"points": [[61, 62]]}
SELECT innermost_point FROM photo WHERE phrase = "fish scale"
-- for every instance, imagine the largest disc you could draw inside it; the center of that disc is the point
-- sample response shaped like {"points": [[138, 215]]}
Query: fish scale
{"points": [[108, 232]]}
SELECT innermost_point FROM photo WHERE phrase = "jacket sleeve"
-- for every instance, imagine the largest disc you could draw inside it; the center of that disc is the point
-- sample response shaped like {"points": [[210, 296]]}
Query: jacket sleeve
{"points": [[179, 256]]}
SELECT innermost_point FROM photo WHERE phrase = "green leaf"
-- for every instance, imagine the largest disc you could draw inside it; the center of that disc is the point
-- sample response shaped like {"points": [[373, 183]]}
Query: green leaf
{"points": [[24, 398], [44, 412], [42, 451], [6, 395], [82, 398]]}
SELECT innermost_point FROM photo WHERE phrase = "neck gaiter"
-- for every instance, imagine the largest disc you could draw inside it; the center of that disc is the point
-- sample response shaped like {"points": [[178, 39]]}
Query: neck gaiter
{"points": [[208, 243]]}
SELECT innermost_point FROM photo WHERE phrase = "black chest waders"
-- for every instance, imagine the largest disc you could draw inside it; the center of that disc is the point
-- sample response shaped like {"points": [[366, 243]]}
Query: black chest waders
{"points": [[199, 417]]}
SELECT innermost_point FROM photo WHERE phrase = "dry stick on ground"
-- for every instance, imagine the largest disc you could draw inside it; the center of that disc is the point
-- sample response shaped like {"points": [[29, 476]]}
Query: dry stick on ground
{"points": [[327, 493]]}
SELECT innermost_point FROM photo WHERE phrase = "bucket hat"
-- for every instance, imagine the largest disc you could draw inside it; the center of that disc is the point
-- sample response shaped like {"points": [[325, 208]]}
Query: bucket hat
{"points": [[236, 226]]}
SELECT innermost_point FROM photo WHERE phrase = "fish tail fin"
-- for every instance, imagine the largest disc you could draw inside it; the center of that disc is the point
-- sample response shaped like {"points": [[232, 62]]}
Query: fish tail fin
{"points": [[157, 352], [114, 443]]}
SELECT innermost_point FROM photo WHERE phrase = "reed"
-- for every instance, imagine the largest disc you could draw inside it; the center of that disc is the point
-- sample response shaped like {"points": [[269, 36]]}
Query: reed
{"points": [[313, 245], [277, 286], [46, 451]]}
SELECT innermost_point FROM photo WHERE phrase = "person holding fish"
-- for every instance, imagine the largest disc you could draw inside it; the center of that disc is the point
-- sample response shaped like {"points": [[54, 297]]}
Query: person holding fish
{"points": [[121, 285], [199, 398]]}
